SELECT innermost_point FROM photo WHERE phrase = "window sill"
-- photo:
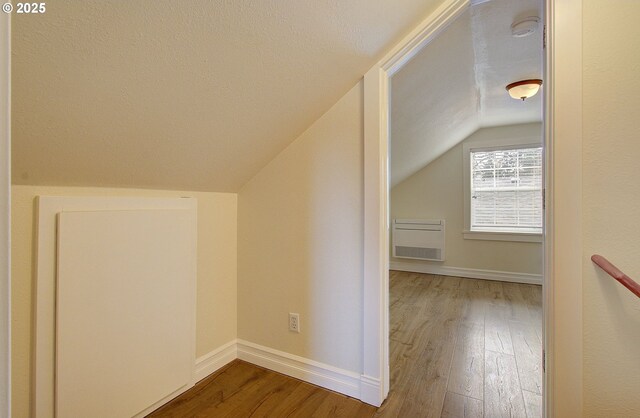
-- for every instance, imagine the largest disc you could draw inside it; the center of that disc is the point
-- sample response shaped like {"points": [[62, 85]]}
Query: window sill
{"points": [[503, 236]]}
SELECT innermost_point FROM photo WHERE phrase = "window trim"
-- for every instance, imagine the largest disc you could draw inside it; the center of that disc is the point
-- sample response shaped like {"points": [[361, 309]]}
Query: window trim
{"points": [[492, 145]]}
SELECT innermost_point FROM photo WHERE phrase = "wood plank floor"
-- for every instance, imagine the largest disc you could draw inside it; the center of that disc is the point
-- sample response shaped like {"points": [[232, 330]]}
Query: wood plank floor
{"points": [[463, 348], [242, 390], [458, 348]]}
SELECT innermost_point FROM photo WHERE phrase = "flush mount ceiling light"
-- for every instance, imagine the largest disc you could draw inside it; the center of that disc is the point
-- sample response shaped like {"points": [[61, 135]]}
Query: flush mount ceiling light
{"points": [[523, 89], [525, 27]]}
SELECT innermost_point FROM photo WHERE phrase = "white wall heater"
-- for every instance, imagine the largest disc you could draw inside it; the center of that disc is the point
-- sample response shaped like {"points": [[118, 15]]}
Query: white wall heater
{"points": [[421, 239]]}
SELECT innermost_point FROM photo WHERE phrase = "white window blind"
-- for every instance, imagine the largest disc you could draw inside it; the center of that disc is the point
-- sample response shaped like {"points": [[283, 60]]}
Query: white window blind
{"points": [[506, 190]]}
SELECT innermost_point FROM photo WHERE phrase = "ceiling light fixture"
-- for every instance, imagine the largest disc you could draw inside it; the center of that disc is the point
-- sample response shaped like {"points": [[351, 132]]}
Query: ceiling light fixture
{"points": [[523, 89]]}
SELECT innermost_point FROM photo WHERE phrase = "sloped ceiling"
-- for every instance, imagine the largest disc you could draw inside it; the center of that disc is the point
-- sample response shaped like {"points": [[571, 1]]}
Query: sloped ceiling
{"points": [[194, 95], [456, 84]]}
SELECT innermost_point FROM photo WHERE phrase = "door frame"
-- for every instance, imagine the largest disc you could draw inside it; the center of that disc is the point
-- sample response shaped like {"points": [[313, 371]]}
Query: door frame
{"points": [[562, 298], [5, 215]]}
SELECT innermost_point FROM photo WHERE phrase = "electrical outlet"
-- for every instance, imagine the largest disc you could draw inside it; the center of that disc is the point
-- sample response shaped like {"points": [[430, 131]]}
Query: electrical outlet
{"points": [[294, 322]]}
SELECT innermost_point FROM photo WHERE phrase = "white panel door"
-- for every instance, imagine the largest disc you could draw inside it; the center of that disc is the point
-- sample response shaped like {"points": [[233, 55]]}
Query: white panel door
{"points": [[124, 315]]}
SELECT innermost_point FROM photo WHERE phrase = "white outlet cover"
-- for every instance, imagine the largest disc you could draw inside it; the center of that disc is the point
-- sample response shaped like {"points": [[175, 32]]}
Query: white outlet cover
{"points": [[294, 322]]}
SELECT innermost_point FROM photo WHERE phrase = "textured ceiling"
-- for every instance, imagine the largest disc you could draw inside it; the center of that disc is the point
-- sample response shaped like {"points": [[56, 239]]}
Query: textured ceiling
{"points": [[184, 94], [456, 84]]}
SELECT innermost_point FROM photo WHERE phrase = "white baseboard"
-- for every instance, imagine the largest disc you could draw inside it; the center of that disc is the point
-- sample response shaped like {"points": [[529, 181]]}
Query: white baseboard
{"points": [[349, 383], [370, 390], [503, 276], [324, 375], [215, 360]]}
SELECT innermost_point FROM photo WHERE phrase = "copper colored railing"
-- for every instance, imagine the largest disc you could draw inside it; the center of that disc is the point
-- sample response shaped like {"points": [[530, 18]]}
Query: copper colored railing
{"points": [[614, 272]]}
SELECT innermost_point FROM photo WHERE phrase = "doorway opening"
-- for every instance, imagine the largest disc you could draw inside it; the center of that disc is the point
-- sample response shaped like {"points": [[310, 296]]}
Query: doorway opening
{"points": [[465, 217]]}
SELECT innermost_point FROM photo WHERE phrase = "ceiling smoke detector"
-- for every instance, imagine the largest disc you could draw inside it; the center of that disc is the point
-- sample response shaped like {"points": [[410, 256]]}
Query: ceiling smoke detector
{"points": [[525, 27]]}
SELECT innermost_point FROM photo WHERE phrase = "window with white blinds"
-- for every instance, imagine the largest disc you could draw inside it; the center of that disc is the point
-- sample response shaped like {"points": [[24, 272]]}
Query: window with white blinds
{"points": [[506, 190]]}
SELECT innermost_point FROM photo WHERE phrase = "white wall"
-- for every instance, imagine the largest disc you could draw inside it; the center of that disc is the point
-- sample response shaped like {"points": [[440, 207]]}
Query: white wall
{"points": [[216, 307], [436, 192], [611, 204], [5, 202], [300, 242]]}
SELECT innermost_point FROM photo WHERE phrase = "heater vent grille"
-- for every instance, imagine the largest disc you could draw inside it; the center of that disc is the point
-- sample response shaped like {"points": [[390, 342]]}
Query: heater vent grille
{"points": [[417, 252], [418, 239]]}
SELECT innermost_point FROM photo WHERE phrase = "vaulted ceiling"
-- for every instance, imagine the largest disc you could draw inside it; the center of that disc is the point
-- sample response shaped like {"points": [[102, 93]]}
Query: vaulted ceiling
{"points": [[195, 95], [456, 84]]}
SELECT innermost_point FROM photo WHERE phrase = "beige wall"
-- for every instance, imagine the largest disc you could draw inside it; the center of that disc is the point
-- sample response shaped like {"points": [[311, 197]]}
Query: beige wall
{"points": [[300, 242], [611, 204], [216, 320], [436, 192]]}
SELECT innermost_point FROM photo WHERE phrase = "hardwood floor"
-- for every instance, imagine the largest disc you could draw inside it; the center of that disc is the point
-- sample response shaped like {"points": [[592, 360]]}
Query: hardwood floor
{"points": [[463, 348], [242, 390], [458, 348]]}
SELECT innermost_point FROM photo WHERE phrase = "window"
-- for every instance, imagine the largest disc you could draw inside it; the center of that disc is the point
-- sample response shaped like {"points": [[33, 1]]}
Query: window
{"points": [[506, 190], [503, 187]]}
